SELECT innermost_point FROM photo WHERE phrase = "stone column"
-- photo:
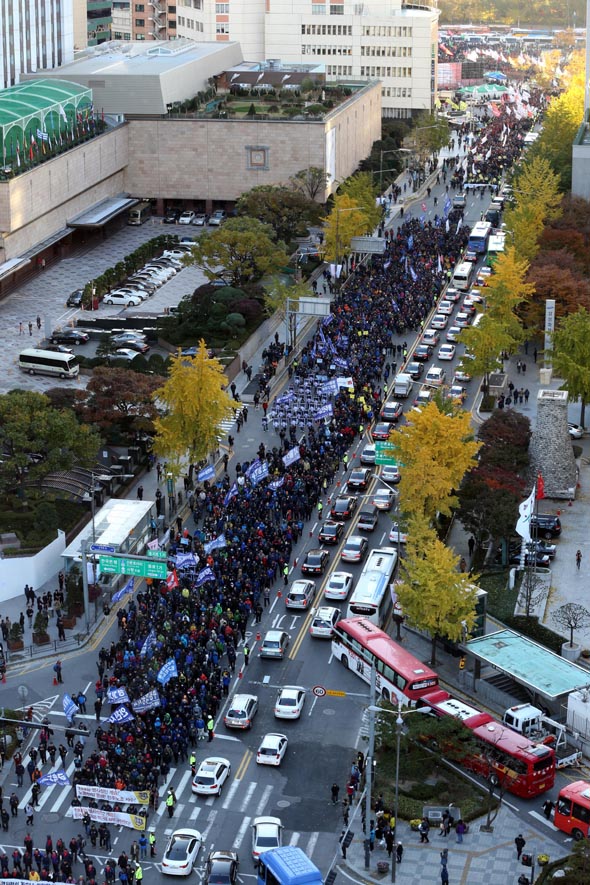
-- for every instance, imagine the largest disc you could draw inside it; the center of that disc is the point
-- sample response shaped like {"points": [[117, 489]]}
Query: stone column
{"points": [[551, 450]]}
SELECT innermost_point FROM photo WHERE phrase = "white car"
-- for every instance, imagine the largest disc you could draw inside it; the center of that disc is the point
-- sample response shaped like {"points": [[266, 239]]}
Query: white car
{"points": [[178, 253], [339, 585], [289, 702], [446, 352], [200, 219], [272, 749], [446, 307], [211, 775], [160, 270], [181, 852], [123, 353], [395, 533], [453, 334], [122, 298], [186, 217], [576, 431], [217, 218], [430, 337], [452, 294], [439, 321], [131, 289], [461, 376], [390, 473], [383, 499], [267, 833], [355, 549], [324, 621]]}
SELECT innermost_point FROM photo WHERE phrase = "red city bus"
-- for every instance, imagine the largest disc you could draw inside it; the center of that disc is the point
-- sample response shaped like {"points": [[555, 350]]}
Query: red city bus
{"points": [[527, 769], [572, 811], [359, 644]]}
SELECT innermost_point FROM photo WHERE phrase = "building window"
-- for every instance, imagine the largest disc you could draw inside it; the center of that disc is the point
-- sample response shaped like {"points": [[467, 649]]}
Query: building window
{"points": [[140, 22], [222, 28], [318, 9], [172, 10], [336, 8], [257, 158], [222, 8], [139, 7]]}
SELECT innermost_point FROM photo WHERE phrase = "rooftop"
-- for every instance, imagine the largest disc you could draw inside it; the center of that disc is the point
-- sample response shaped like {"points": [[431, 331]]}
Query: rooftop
{"points": [[529, 663], [123, 57]]}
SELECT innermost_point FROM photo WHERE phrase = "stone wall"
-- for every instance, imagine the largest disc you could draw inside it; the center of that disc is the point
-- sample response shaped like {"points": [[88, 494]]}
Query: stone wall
{"points": [[551, 450]]}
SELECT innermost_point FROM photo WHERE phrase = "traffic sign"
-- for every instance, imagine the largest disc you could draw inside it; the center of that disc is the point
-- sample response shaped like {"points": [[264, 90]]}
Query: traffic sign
{"points": [[335, 694], [319, 691], [102, 548], [385, 453], [157, 554], [139, 568]]}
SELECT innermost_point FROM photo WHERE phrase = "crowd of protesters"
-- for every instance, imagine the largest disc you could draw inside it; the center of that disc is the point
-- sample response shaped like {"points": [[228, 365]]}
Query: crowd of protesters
{"points": [[239, 538]]}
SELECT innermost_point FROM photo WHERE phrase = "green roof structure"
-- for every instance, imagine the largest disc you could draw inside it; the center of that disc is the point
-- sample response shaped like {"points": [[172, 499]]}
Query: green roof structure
{"points": [[39, 112]]}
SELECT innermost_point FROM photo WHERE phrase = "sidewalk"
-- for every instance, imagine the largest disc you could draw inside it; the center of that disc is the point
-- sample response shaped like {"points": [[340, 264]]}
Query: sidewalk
{"points": [[481, 859]]}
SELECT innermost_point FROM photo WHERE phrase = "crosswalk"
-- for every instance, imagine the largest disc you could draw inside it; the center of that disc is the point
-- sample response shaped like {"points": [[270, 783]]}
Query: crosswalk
{"points": [[247, 798]]}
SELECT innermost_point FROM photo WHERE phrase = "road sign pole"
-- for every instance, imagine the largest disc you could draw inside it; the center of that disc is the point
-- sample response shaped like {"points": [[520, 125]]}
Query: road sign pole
{"points": [[85, 586]]}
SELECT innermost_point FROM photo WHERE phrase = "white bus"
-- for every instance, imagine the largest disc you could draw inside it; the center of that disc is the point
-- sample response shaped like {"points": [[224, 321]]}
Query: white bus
{"points": [[371, 598], [463, 276], [139, 213], [48, 362]]}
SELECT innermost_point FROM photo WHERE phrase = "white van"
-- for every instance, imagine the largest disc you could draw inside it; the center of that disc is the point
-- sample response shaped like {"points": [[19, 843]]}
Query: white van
{"points": [[463, 275], [435, 376]]}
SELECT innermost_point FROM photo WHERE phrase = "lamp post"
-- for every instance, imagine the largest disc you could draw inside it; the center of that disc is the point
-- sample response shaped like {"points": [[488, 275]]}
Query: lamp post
{"points": [[399, 724], [382, 170]]}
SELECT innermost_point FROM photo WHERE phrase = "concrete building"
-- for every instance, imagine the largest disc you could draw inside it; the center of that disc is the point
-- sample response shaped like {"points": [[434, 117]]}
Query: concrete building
{"points": [[139, 78], [150, 20], [385, 40], [581, 163], [34, 36]]}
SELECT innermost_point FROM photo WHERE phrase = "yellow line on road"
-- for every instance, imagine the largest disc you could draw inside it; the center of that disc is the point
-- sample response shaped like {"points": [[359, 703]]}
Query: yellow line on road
{"points": [[246, 759]]}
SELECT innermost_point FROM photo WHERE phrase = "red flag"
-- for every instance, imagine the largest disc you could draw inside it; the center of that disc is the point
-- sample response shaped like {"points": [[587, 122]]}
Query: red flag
{"points": [[540, 487], [172, 580]]}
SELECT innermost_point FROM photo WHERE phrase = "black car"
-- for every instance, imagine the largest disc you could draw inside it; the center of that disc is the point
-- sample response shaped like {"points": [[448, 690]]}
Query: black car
{"points": [[343, 507], [330, 532], [222, 868], [545, 526], [423, 353], [172, 216], [315, 562], [415, 370], [75, 299], [56, 348], [69, 336], [359, 478]]}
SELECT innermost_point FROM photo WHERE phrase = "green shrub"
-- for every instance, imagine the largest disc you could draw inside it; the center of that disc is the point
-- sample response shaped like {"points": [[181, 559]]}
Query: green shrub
{"points": [[46, 517], [236, 319], [530, 627], [488, 403]]}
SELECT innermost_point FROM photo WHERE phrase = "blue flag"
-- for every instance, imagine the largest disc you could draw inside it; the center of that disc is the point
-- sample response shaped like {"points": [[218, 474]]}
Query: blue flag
{"points": [[120, 715], [128, 588], [215, 544], [206, 574], [206, 473], [54, 777], [70, 708], [149, 644], [147, 701], [291, 457], [277, 483], [168, 672], [117, 696]]}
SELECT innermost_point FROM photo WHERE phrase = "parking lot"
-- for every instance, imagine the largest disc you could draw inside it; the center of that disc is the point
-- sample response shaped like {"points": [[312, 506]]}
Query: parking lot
{"points": [[45, 297]]}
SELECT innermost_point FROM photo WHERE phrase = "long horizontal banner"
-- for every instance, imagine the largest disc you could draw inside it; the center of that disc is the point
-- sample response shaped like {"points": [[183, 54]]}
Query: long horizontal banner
{"points": [[124, 797], [134, 821]]}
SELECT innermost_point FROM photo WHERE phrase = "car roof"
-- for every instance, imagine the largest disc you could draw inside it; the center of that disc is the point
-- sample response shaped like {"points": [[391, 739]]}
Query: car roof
{"points": [[273, 634], [186, 833], [212, 761], [243, 699], [289, 690], [271, 821], [326, 611]]}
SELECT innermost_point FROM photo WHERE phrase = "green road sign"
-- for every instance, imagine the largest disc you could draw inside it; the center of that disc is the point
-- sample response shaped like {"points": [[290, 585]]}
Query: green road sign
{"points": [[139, 568], [157, 554], [385, 453]]}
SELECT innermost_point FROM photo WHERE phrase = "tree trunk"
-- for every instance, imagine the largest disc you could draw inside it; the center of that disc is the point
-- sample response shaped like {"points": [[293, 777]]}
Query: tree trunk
{"points": [[571, 636], [433, 652], [582, 412]]}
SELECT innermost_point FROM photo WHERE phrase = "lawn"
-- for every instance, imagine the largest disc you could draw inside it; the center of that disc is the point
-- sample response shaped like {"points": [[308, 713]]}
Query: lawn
{"points": [[501, 599]]}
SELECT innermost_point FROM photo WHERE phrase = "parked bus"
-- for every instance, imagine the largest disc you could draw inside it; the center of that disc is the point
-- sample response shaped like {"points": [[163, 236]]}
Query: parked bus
{"points": [[496, 245], [359, 645], [572, 810], [139, 213], [479, 236], [371, 598], [463, 276], [522, 767], [48, 362], [287, 866]]}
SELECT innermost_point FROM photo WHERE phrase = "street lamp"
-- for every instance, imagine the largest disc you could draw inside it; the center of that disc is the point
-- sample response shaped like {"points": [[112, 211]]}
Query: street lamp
{"points": [[381, 169], [399, 724]]}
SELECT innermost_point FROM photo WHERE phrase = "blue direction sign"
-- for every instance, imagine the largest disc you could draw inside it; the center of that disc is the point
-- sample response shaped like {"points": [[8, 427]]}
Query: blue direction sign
{"points": [[102, 548]]}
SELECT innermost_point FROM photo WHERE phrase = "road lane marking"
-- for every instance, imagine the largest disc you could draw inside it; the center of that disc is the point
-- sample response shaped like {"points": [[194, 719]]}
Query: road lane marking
{"points": [[243, 765], [264, 799], [239, 837], [252, 787], [311, 844]]}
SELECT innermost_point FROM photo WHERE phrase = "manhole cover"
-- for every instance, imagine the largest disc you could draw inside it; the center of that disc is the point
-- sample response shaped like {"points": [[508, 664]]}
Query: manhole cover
{"points": [[51, 817], [329, 712], [283, 803]]}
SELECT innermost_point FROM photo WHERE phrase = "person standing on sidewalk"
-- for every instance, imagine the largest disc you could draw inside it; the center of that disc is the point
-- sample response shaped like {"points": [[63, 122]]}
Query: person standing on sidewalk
{"points": [[578, 559], [520, 842], [335, 791], [399, 852]]}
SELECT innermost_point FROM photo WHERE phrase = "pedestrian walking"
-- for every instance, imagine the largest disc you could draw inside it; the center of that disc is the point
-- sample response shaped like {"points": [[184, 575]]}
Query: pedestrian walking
{"points": [[210, 729], [335, 791], [547, 808], [246, 655], [520, 842], [444, 875], [140, 493], [152, 841], [423, 829], [535, 354], [578, 559], [399, 852], [57, 671], [38, 321], [460, 830], [471, 546], [29, 812]]}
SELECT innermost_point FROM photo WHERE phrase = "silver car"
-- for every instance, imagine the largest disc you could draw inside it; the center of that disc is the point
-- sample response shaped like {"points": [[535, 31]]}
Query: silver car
{"points": [[274, 644]]}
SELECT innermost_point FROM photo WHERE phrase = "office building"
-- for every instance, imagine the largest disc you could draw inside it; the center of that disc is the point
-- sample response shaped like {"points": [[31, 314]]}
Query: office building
{"points": [[383, 40], [34, 36]]}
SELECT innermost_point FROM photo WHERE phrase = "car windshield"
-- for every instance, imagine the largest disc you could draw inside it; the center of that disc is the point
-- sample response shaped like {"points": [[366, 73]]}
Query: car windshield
{"points": [[267, 841], [288, 702]]}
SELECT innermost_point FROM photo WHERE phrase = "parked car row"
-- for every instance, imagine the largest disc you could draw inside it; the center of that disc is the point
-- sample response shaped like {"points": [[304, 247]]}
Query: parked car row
{"points": [[198, 219]]}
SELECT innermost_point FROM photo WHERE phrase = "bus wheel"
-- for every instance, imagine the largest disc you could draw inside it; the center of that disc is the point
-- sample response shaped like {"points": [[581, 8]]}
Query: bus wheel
{"points": [[494, 780], [344, 660], [577, 834]]}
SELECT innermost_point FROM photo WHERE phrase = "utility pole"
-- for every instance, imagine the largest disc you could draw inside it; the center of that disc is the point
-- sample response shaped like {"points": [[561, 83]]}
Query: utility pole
{"points": [[369, 768]]}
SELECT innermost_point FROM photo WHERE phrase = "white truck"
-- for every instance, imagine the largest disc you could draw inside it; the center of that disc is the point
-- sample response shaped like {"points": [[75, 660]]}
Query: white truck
{"points": [[402, 386], [532, 722]]}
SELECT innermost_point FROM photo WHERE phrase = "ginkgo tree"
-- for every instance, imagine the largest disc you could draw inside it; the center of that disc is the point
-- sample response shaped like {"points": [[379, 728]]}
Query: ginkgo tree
{"points": [[194, 403], [347, 219], [436, 450], [433, 594], [571, 356]]}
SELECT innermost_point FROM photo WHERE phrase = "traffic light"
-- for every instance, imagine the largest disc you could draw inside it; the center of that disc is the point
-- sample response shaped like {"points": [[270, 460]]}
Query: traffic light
{"points": [[462, 662]]}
